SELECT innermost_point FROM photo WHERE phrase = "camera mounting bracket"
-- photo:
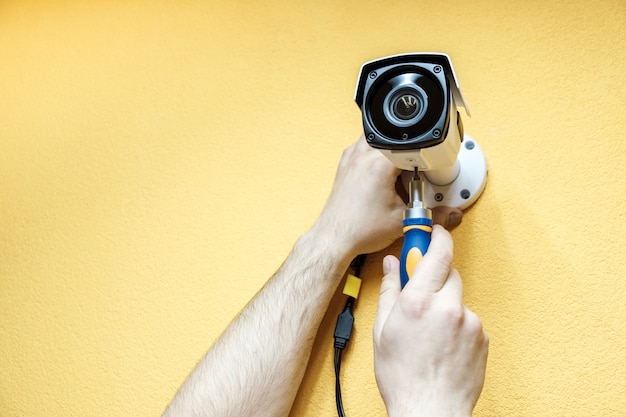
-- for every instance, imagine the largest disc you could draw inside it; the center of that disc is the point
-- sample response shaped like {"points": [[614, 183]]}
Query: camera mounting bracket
{"points": [[468, 184]]}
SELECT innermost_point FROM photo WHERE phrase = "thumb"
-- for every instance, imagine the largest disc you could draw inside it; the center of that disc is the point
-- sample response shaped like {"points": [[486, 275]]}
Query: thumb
{"points": [[389, 292]]}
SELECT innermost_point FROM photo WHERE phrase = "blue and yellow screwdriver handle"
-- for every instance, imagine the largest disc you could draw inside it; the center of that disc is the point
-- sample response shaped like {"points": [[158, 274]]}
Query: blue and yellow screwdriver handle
{"points": [[417, 233], [417, 228]]}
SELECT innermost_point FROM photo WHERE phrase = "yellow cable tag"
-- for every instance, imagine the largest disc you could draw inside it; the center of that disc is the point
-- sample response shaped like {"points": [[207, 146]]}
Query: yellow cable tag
{"points": [[352, 286]]}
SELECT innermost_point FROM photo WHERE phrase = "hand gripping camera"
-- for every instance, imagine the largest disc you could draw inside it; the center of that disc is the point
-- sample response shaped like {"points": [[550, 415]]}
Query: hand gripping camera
{"points": [[410, 113]]}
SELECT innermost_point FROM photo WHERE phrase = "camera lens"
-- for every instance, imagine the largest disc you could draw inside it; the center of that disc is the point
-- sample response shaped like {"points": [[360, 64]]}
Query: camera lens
{"points": [[404, 103], [406, 106]]}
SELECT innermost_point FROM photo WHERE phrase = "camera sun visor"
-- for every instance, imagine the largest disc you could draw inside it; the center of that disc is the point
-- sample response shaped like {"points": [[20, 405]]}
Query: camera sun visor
{"points": [[430, 57]]}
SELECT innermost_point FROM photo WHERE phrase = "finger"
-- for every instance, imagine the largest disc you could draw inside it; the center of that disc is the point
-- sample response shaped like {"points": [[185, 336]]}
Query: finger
{"points": [[472, 323], [346, 156], [452, 289], [389, 291], [375, 157], [362, 144], [474, 326], [359, 147], [448, 217], [378, 163], [432, 271]]}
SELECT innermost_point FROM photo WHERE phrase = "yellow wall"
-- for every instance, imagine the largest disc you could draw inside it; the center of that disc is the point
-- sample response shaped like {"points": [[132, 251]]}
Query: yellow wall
{"points": [[158, 159]]}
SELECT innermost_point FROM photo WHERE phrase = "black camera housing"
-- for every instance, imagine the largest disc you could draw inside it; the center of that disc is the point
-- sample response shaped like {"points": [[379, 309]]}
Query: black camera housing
{"points": [[407, 101]]}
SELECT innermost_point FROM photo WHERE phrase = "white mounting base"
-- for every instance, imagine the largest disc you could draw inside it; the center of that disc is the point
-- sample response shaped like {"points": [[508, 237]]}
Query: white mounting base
{"points": [[468, 185]]}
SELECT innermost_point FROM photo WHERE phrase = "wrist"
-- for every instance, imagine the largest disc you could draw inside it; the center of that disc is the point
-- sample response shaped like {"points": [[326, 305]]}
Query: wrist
{"points": [[329, 241], [422, 413], [320, 245], [424, 410]]}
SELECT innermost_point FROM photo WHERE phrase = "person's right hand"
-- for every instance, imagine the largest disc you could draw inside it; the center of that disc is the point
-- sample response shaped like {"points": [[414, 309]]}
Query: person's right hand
{"points": [[430, 351]]}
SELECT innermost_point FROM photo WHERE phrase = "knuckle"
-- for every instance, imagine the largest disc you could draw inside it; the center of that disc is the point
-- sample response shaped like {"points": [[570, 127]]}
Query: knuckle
{"points": [[485, 339], [415, 305], [453, 314], [473, 323]]}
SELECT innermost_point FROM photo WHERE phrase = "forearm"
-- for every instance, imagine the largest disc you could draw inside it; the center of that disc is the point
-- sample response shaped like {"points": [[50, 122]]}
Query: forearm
{"points": [[256, 366]]}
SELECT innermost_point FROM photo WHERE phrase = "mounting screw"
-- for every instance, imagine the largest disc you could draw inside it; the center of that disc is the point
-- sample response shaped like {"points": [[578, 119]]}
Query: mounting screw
{"points": [[465, 194], [438, 197], [436, 133], [437, 68], [405, 136], [469, 145], [370, 136], [373, 75]]}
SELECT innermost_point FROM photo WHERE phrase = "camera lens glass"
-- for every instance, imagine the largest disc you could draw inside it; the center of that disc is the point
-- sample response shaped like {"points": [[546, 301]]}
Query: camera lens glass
{"points": [[406, 106]]}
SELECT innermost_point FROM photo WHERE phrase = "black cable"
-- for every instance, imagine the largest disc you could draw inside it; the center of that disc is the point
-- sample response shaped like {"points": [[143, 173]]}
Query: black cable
{"points": [[338, 355], [357, 263], [343, 331]]}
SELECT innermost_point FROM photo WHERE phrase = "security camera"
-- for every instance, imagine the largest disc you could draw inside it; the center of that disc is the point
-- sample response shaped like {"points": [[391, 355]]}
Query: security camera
{"points": [[409, 105]]}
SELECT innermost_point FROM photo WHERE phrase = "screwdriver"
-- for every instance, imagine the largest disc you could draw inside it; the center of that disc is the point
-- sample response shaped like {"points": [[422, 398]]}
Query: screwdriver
{"points": [[417, 228]]}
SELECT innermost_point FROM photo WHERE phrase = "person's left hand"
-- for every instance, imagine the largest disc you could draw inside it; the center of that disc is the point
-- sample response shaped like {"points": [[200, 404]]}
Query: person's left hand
{"points": [[364, 210]]}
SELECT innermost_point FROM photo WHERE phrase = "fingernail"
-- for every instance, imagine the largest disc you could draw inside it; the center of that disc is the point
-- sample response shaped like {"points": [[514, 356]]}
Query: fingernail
{"points": [[386, 266], [454, 219]]}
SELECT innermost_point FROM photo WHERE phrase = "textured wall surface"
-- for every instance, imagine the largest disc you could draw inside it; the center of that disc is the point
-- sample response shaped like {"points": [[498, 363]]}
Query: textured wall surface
{"points": [[158, 159]]}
